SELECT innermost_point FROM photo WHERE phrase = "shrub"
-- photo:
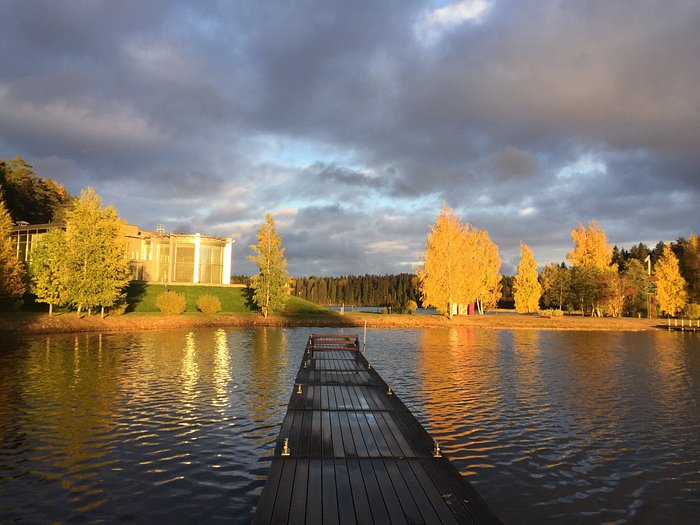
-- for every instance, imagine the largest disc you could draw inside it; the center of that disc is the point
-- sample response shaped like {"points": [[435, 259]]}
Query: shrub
{"points": [[411, 307], [171, 303], [692, 311], [208, 304], [551, 313], [119, 308]]}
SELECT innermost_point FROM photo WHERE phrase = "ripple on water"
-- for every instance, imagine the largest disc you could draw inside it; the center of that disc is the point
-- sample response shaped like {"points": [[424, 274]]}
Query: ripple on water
{"points": [[550, 427]]}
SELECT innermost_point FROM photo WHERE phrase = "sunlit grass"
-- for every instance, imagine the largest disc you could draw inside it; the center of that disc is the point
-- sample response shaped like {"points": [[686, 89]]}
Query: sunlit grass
{"points": [[142, 299]]}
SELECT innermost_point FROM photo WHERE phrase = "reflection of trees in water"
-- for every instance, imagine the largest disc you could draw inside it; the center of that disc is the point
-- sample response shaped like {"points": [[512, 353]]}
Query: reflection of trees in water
{"points": [[268, 367], [457, 367], [69, 393]]}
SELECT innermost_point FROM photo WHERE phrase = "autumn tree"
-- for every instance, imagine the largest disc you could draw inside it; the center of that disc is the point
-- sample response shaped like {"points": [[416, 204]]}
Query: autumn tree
{"points": [[97, 265], [460, 266], [271, 284], [670, 286], [526, 288], [48, 269], [591, 259], [591, 248], [485, 269], [12, 284], [443, 276]]}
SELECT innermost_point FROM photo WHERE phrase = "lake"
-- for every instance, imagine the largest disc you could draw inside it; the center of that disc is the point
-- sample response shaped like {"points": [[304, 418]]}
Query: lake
{"points": [[179, 426]]}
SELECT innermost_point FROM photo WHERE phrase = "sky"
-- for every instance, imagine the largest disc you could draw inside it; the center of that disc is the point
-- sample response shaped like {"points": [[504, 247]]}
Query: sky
{"points": [[351, 122]]}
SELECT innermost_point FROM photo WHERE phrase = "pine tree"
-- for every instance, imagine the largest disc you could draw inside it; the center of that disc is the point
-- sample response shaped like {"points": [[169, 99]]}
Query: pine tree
{"points": [[97, 265], [270, 285], [526, 287], [12, 283], [48, 269], [670, 285]]}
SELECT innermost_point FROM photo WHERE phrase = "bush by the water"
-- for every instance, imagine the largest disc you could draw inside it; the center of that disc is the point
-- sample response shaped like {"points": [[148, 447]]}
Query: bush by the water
{"points": [[119, 308], [692, 311], [410, 307], [551, 313], [208, 304], [171, 303]]}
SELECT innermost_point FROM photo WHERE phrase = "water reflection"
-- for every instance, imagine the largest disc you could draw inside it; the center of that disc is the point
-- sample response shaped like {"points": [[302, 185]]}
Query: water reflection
{"points": [[551, 427], [222, 370]]}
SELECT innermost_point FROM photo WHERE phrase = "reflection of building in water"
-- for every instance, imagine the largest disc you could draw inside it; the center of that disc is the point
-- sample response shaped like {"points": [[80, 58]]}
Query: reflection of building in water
{"points": [[189, 368], [222, 369], [155, 256]]}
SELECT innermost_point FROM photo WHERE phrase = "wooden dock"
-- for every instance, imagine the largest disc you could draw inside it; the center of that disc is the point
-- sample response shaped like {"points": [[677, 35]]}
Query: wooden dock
{"points": [[349, 451]]}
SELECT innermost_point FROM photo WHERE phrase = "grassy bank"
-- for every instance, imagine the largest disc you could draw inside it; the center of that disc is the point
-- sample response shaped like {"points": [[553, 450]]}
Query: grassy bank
{"points": [[141, 298], [238, 310], [299, 314]]}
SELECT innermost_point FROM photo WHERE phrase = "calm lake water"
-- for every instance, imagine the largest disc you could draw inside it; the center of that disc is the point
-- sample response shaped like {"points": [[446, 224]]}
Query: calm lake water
{"points": [[179, 426]]}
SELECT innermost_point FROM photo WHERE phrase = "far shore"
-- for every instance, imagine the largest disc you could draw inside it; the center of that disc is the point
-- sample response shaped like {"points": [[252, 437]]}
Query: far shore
{"points": [[36, 323]]}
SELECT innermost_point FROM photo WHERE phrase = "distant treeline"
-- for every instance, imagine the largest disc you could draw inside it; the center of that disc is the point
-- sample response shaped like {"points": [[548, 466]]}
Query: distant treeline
{"points": [[354, 290]]}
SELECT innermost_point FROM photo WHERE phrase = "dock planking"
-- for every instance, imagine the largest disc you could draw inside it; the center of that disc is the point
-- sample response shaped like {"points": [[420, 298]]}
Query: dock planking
{"points": [[349, 451]]}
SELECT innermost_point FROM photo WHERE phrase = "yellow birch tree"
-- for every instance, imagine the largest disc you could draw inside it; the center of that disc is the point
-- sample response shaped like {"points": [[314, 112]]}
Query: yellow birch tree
{"points": [[526, 287], [670, 285], [12, 278], [591, 248], [442, 277], [485, 270]]}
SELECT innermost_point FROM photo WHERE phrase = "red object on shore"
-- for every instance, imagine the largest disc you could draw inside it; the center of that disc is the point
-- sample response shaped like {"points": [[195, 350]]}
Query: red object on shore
{"points": [[470, 309]]}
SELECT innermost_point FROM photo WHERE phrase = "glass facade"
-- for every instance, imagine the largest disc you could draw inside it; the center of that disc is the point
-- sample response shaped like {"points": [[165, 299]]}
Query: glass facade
{"points": [[154, 256]]}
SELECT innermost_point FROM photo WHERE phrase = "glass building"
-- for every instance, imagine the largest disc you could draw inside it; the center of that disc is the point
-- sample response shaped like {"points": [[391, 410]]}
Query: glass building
{"points": [[157, 257]]}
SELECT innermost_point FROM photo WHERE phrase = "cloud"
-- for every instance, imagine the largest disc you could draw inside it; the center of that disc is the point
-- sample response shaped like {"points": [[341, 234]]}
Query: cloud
{"points": [[437, 21], [353, 121]]}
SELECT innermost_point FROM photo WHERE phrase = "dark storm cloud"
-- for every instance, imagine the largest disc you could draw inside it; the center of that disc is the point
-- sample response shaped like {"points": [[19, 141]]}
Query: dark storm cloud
{"points": [[353, 121]]}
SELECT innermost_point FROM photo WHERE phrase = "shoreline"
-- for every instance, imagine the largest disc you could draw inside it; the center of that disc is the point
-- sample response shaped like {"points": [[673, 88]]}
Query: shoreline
{"points": [[41, 323]]}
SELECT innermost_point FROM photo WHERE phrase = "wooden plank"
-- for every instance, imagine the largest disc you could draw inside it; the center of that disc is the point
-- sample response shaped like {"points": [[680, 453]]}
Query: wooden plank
{"points": [[303, 448], [367, 436], [346, 506], [349, 450], [376, 444], [336, 433], [418, 494], [316, 441], [280, 513], [387, 435], [326, 434], [357, 435], [314, 498], [380, 505], [330, 499], [266, 504], [363, 513], [297, 512]]}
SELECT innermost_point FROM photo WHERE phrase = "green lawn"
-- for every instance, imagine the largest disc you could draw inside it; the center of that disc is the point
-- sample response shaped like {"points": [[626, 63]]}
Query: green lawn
{"points": [[142, 299]]}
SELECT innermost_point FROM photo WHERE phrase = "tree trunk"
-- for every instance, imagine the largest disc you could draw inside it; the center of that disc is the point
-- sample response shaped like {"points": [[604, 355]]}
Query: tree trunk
{"points": [[79, 308], [102, 312], [50, 309]]}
